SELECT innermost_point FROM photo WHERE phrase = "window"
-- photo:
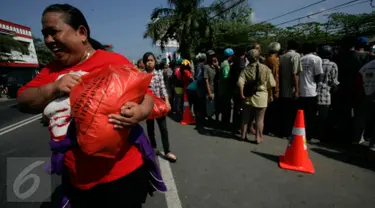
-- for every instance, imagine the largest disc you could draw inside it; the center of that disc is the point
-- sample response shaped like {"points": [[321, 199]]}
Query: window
{"points": [[6, 43], [25, 49]]}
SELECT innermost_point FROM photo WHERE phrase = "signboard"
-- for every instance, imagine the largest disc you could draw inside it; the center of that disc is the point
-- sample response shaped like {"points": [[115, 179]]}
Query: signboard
{"points": [[20, 30]]}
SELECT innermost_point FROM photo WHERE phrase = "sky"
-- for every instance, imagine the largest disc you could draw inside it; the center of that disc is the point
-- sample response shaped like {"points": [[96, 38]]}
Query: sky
{"points": [[123, 22]]}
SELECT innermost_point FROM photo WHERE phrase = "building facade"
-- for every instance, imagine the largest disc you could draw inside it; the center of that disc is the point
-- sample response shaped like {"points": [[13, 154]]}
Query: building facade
{"points": [[17, 67], [23, 35]]}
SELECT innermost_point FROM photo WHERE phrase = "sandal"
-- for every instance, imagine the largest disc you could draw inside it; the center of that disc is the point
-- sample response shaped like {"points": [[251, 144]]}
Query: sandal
{"points": [[259, 141], [171, 157]]}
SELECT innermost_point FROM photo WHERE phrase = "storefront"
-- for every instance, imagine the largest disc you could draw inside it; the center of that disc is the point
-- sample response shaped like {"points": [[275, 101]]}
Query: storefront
{"points": [[17, 67]]}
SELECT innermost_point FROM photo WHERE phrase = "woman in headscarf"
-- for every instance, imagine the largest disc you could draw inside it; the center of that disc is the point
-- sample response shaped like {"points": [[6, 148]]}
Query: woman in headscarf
{"points": [[187, 78], [272, 117], [90, 181]]}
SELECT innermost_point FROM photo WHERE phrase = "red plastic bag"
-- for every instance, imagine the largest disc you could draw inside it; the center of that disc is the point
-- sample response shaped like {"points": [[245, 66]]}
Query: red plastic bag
{"points": [[159, 110], [103, 92]]}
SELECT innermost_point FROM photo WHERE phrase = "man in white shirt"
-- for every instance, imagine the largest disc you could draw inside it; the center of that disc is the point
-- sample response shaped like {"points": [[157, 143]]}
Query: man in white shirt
{"points": [[312, 66], [367, 75]]}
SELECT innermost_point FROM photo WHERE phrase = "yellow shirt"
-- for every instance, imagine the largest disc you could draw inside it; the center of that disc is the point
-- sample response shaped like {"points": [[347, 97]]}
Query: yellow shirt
{"points": [[266, 81]]}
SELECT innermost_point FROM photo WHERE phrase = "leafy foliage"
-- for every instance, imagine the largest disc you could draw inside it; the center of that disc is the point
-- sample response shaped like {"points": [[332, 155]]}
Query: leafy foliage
{"points": [[44, 54], [186, 21], [197, 28]]}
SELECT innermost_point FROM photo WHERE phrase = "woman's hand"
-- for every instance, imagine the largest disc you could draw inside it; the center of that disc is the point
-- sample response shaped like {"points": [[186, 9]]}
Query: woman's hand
{"points": [[132, 113], [66, 83], [168, 104]]}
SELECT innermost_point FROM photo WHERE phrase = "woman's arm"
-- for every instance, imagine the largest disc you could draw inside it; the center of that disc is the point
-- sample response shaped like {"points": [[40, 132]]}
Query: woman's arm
{"points": [[36, 98], [146, 106], [163, 88]]}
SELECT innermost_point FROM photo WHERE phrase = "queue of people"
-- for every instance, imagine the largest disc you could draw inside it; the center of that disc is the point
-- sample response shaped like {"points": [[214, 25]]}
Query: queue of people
{"points": [[250, 93]]}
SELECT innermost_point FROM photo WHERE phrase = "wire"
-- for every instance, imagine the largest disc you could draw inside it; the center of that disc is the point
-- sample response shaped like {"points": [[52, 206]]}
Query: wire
{"points": [[231, 7], [291, 12], [332, 8], [362, 2]]}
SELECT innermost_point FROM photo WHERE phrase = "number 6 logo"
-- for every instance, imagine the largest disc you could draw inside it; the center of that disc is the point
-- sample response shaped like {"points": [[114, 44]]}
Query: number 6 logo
{"points": [[23, 177]]}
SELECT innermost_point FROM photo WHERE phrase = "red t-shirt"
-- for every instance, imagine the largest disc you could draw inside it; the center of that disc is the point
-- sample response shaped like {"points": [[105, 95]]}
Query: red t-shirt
{"points": [[187, 78], [87, 171]]}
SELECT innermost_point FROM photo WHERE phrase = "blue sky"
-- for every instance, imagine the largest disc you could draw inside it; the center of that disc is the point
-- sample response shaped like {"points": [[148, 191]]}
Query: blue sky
{"points": [[122, 22]]}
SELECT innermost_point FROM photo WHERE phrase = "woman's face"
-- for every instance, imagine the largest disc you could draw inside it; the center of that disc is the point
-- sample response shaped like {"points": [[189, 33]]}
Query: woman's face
{"points": [[150, 64], [215, 60], [65, 43]]}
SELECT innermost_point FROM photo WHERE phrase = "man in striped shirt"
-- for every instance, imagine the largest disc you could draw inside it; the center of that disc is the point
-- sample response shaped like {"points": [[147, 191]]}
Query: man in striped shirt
{"points": [[290, 67]]}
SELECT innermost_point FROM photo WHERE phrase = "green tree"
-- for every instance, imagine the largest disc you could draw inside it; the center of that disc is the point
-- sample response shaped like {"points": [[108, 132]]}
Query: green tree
{"points": [[186, 21], [231, 28], [352, 24], [43, 53]]}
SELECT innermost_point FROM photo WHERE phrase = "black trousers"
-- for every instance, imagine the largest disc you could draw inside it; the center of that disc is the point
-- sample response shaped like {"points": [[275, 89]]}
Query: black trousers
{"points": [[309, 106], [225, 109], [193, 101], [323, 126], [237, 110], [288, 113], [129, 191], [201, 116], [272, 118], [162, 123]]}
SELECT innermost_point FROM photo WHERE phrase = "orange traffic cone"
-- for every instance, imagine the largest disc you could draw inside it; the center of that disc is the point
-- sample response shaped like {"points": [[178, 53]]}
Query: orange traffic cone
{"points": [[296, 156], [187, 116]]}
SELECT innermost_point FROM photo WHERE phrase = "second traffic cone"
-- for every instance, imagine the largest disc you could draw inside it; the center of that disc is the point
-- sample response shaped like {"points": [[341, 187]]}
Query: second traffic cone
{"points": [[296, 156], [187, 116]]}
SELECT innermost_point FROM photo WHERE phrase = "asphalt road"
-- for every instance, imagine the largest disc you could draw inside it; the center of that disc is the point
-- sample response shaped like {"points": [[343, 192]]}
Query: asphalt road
{"points": [[212, 171]]}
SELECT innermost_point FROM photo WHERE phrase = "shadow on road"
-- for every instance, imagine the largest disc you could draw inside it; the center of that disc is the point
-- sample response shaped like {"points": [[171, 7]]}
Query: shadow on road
{"points": [[364, 159], [273, 158]]}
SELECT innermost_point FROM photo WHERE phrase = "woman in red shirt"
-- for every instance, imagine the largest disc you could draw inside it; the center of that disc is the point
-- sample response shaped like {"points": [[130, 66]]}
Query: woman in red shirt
{"points": [[186, 76], [90, 181]]}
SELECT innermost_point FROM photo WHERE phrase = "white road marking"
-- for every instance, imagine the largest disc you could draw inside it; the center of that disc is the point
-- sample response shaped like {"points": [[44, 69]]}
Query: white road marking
{"points": [[15, 124], [19, 124], [171, 196]]}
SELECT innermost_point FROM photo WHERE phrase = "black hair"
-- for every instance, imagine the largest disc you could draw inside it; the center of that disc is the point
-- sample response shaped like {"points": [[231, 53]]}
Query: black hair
{"points": [[325, 51], [254, 45], [347, 42], [308, 48], [74, 18], [292, 45], [146, 55], [210, 59]]}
